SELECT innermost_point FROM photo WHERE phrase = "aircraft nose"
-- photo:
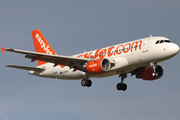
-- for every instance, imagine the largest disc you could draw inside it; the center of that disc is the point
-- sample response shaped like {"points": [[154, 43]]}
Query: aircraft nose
{"points": [[174, 49]]}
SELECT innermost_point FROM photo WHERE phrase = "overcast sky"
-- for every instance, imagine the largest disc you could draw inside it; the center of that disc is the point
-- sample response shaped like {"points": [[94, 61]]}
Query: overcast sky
{"points": [[72, 26]]}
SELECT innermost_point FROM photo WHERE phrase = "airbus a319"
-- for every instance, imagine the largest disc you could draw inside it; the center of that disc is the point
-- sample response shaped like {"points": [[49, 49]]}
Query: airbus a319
{"points": [[138, 57]]}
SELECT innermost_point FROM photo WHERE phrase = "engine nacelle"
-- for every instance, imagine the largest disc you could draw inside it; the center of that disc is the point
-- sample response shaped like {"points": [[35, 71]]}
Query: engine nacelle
{"points": [[146, 73], [98, 66]]}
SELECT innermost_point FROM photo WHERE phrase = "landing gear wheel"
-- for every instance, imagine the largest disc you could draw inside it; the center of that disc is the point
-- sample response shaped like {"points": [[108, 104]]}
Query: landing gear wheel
{"points": [[124, 87], [154, 65], [118, 86], [121, 86], [84, 82], [87, 83], [154, 74]]}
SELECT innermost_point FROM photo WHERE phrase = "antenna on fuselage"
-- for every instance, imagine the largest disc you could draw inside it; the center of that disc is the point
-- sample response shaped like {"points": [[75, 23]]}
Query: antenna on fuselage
{"points": [[150, 35]]}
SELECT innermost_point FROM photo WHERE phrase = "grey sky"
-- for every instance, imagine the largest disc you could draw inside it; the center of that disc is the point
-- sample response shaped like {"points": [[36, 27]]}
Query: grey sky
{"points": [[74, 26]]}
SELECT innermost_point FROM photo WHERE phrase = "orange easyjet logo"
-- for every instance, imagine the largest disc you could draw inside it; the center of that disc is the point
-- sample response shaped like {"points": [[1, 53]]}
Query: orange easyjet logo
{"points": [[43, 44], [101, 53], [93, 65]]}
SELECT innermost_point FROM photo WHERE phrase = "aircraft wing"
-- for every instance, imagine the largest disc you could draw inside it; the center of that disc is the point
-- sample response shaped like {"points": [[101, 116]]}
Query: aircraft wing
{"points": [[56, 59]]}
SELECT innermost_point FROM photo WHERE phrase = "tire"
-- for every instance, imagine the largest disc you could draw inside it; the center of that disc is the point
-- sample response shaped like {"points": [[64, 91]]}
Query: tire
{"points": [[154, 74], [124, 87], [89, 83], [84, 82], [119, 86]]}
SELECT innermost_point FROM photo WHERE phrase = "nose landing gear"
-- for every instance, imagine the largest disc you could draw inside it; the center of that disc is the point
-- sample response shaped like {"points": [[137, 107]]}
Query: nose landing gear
{"points": [[154, 65]]}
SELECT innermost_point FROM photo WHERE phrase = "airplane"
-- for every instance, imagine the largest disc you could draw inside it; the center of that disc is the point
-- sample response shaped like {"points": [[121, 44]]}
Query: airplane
{"points": [[138, 57]]}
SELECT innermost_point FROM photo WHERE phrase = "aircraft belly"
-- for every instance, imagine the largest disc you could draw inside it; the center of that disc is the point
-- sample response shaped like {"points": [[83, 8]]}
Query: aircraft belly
{"points": [[67, 73]]}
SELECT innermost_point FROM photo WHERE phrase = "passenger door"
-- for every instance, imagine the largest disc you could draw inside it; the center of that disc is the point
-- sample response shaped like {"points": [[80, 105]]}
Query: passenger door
{"points": [[145, 45]]}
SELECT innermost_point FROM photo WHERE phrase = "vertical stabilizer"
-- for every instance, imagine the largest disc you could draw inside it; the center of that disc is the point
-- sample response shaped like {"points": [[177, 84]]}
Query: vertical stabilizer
{"points": [[41, 45]]}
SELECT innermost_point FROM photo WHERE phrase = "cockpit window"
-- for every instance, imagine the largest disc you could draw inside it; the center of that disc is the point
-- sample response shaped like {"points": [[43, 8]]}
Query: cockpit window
{"points": [[163, 41], [157, 42], [167, 41]]}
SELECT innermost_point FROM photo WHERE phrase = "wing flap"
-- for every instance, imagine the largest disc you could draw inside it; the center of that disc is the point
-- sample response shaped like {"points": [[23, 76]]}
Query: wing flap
{"points": [[26, 68]]}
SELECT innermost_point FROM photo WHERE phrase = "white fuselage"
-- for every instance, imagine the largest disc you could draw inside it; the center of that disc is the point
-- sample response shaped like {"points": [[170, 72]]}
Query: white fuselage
{"points": [[125, 58]]}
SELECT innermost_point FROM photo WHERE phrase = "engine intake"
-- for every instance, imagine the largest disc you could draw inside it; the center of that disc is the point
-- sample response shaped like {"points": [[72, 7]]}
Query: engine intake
{"points": [[98, 66]]}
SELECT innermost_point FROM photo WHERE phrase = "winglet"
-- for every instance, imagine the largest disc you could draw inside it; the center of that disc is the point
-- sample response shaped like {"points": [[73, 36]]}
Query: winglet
{"points": [[2, 49]]}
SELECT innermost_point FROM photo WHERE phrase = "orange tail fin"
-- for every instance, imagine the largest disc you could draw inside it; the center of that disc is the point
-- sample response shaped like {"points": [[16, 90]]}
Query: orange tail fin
{"points": [[41, 45]]}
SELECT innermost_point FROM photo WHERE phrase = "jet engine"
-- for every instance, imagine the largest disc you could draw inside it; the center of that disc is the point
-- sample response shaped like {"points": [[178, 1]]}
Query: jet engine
{"points": [[98, 66], [146, 73]]}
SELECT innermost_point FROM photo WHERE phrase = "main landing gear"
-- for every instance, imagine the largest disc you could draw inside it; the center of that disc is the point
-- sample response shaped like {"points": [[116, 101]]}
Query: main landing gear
{"points": [[122, 86], [86, 82]]}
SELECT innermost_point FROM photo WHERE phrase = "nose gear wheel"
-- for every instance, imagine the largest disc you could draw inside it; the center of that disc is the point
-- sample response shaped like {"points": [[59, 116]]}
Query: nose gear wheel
{"points": [[154, 65]]}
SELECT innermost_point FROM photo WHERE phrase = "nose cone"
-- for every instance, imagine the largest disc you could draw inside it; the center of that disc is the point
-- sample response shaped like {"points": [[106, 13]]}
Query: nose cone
{"points": [[174, 49]]}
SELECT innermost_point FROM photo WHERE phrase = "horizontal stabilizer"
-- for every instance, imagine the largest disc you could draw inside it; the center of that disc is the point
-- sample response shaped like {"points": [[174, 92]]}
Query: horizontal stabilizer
{"points": [[26, 68], [3, 49]]}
